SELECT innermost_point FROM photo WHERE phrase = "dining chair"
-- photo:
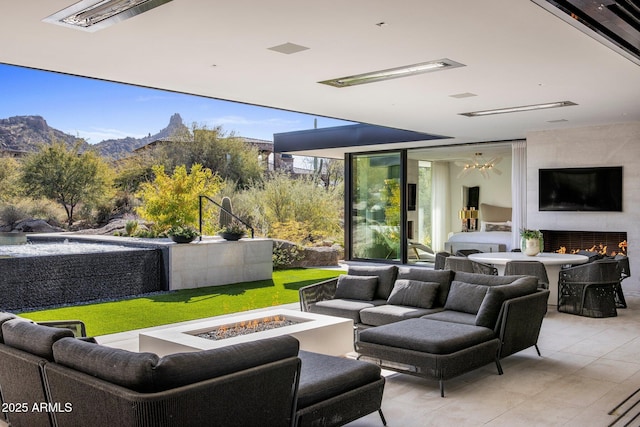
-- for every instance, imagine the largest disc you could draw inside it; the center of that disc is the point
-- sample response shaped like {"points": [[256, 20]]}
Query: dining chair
{"points": [[467, 252], [589, 289], [529, 268], [459, 263], [482, 268], [625, 271], [440, 260]]}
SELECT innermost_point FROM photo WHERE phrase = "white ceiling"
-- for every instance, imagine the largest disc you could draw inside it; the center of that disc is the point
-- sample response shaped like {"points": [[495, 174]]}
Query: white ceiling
{"points": [[515, 52]]}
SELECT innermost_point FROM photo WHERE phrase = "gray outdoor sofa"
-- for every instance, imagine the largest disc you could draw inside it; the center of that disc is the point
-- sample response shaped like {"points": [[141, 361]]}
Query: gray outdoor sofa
{"points": [[270, 382], [436, 324]]}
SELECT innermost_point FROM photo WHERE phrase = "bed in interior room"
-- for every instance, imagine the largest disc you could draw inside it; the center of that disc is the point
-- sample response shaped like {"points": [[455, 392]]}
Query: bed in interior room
{"points": [[494, 234]]}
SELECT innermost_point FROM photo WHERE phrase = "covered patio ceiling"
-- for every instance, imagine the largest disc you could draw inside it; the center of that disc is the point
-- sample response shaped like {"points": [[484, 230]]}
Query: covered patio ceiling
{"points": [[274, 54]]}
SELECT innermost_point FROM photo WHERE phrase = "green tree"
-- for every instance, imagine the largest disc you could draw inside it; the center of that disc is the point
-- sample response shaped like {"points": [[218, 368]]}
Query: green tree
{"points": [[226, 155], [67, 176], [133, 171], [174, 200], [9, 177]]}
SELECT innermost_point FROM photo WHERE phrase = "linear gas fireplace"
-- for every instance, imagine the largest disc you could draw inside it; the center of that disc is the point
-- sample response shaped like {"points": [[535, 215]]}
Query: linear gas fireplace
{"points": [[605, 242]]}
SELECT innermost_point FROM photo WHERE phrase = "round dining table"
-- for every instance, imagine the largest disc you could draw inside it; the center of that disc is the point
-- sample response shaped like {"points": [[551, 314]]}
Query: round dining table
{"points": [[552, 262]]}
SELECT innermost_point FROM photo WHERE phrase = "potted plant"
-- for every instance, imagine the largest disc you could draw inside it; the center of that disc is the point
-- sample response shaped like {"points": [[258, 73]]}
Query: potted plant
{"points": [[182, 234], [233, 231], [531, 242]]}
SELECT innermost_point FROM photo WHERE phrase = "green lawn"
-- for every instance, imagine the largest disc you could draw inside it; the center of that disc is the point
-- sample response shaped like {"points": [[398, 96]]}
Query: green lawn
{"points": [[171, 307]]}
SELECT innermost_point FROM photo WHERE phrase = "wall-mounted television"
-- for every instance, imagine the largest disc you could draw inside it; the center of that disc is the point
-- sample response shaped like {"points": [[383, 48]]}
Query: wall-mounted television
{"points": [[595, 189]]}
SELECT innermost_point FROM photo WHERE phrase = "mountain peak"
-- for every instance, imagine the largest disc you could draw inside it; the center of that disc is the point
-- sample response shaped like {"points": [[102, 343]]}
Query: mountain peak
{"points": [[176, 121], [28, 133]]}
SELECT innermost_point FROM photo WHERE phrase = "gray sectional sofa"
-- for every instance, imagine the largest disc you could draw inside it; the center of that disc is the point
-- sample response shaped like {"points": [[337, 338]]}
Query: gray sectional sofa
{"points": [[78, 382], [433, 323]]}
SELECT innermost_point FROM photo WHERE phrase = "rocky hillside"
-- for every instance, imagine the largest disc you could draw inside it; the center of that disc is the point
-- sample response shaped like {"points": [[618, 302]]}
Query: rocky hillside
{"points": [[27, 133]]}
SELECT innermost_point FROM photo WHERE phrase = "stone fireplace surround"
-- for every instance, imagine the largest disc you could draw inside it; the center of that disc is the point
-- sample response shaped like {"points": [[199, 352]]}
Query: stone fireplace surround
{"points": [[606, 145]]}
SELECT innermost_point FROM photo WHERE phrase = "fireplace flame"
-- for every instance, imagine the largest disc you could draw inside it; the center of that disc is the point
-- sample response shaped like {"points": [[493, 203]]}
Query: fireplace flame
{"points": [[600, 249]]}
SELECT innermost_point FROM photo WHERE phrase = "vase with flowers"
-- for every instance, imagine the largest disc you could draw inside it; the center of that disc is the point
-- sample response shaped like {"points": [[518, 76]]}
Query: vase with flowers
{"points": [[532, 242]]}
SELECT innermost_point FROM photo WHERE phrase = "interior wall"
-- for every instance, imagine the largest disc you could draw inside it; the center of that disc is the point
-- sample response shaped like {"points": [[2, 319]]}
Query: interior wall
{"points": [[611, 145], [495, 190]]}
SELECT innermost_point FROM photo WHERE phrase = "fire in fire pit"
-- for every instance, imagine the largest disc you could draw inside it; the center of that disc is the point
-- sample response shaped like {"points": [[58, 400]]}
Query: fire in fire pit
{"points": [[247, 327]]}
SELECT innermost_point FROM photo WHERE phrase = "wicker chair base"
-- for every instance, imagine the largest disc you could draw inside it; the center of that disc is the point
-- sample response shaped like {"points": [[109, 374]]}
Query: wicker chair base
{"points": [[593, 300]]}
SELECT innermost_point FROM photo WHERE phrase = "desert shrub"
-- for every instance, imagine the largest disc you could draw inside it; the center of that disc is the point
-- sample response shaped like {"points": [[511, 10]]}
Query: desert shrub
{"points": [[124, 203], [10, 214], [303, 202], [294, 231], [174, 200], [131, 227], [285, 255], [9, 178]]}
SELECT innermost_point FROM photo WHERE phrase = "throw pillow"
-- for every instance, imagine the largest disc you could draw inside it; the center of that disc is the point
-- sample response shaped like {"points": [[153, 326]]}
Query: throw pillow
{"points": [[386, 275], [356, 287], [413, 293], [497, 227], [443, 277], [465, 297]]}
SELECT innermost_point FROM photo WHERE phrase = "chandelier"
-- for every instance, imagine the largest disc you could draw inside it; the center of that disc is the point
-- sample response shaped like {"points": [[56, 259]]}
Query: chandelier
{"points": [[477, 162]]}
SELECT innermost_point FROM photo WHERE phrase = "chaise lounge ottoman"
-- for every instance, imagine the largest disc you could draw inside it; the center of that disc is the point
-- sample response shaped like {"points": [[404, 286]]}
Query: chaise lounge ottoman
{"points": [[432, 348], [334, 391]]}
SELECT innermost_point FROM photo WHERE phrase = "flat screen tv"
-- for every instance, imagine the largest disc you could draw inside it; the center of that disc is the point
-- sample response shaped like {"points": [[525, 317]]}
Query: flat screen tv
{"points": [[595, 189]]}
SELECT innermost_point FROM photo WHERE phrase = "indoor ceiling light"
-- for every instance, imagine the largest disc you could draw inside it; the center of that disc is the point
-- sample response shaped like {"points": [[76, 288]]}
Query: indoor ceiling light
{"points": [[518, 109], [93, 15], [393, 73], [477, 162]]}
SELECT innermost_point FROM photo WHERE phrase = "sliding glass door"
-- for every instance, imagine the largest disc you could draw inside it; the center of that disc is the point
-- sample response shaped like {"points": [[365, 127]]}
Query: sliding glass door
{"points": [[376, 202]]}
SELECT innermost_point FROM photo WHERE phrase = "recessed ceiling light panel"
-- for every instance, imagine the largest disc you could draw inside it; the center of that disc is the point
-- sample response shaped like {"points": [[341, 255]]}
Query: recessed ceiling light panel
{"points": [[519, 109], [288, 48], [463, 95], [93, 15], [393, 73]]}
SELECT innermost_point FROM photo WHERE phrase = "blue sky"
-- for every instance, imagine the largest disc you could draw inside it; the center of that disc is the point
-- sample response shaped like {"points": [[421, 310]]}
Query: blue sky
{"points": [[97, 110]]}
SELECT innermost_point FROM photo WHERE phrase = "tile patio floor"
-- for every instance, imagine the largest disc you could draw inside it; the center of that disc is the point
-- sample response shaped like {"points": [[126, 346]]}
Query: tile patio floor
{"points": [[587, 367]]}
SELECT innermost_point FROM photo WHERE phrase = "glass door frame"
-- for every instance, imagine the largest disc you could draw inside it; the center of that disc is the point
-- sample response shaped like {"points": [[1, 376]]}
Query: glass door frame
{"points": [[348, 207]]}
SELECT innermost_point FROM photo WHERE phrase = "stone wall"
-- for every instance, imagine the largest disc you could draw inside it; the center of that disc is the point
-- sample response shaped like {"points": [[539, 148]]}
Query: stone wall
{"points": [[34, 282], [310, 256], [610, 145]]}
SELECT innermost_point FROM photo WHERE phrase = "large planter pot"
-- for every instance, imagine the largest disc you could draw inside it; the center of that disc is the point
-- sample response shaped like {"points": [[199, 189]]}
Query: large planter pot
{"points": [[182, 239], [231, 236]]}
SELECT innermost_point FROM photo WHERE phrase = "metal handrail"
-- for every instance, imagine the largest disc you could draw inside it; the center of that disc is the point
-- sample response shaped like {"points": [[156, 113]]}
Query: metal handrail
{"points": [[221, 208]]}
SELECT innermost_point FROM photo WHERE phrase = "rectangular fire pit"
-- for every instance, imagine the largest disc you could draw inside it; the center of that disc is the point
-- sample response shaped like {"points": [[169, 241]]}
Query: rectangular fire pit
{"points": [[318, 333]]}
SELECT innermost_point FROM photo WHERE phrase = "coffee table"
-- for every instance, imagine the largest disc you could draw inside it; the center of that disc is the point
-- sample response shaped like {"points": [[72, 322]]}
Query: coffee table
{"points": [[316, 332], [552, 263]]}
